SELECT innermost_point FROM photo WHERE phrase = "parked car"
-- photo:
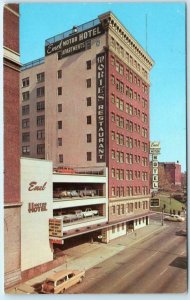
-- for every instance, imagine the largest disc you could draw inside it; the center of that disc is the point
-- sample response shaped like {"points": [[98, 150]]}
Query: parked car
{"points": [[89, 212], [87, 192], [75, 215], [58, 282], [64, 194], [175, 218], [64, 170]]}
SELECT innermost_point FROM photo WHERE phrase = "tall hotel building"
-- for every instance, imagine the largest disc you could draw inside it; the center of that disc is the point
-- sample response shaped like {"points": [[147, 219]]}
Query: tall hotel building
{"points": [[86, 104]]}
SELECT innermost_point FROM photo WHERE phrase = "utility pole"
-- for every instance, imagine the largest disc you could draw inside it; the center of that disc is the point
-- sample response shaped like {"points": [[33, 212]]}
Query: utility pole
{"points": [[162, 221]]}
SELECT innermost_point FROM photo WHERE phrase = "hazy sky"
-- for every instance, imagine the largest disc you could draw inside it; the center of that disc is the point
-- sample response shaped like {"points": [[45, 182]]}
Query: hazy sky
{"points": [[165, 44]]}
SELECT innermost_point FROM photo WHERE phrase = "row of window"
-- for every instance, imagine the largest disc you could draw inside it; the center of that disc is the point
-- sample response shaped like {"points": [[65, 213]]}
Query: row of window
{"points": [[129, 91], [120, 102], [40, 77], [129, 59], [40, 149], [128, 207], [129, 174], [129, 74], [40, 121], [130, 111], [121, 191], [40, 92], [40, 135], [119, 157]]}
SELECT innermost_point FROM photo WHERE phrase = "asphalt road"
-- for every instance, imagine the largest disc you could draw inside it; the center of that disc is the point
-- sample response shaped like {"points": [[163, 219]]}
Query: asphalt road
{"points": [[157, 264]]}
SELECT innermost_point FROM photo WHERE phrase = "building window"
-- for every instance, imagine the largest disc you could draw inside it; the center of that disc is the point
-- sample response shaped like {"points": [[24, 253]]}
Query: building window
{"points": [[25, 109], [89, 138], [40, 106], [113, 191], [89, 156], [59, 124], [40, 148], [59, 74], [26, 137], [40, 134], [88, 64], [59, 107], [61, 158], [89, 120], [25, 123], [26, 150], [25, 82], [113, 229], [113, 209], [59, 141], [40, 92], [88, 45], [59, 91], [88, 83], [40, 120], [88, 101], [40, 77], [25, 96]]}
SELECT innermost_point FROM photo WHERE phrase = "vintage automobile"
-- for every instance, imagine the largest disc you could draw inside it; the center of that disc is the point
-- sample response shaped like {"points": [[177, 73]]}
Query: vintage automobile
{"points": [[64, 170], [64, 194], [73, 216], [87, 192], [89, 212], [174, 218], [60, 281]]}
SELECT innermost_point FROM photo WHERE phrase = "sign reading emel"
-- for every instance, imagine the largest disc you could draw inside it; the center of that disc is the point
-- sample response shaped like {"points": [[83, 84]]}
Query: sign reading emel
{"points": [[100, 105], [74, 43]]}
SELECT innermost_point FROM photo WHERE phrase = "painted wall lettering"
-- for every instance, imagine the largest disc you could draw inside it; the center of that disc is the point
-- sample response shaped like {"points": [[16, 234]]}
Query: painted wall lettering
{"points": [[37, 207], [33, 186], [100, 105], [74, 43]]}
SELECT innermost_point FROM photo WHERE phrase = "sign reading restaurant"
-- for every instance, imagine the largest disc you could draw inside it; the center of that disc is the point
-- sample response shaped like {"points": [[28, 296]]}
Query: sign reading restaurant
{"points": [[74, 43], [100, 105]]}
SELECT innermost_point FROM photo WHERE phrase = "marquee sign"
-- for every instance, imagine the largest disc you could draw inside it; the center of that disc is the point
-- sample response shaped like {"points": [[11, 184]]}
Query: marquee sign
{"points": [[101, 105], [74, 43]]}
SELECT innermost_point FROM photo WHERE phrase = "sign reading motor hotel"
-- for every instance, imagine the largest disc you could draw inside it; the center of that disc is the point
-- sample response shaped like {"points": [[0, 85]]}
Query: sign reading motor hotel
{"points": [[74, 43]]}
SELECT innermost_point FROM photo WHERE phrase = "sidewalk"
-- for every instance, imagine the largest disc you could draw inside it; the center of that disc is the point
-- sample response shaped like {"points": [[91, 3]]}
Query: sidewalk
{"points": [[88, 255]]}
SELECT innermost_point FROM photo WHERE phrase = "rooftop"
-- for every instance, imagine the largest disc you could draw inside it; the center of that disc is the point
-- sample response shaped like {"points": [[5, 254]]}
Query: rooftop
{"points": [[75, 29]]}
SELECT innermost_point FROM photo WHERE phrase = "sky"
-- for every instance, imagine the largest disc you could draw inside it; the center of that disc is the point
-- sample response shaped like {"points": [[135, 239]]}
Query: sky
{"points": [[166, 45]]}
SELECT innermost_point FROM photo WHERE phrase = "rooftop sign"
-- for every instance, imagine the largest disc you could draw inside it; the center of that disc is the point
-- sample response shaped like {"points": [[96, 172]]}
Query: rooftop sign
{"points": [[75, 42]]}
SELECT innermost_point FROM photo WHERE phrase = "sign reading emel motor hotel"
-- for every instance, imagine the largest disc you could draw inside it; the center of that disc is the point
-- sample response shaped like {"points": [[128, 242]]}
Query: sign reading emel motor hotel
{"points": [[74, 43]]}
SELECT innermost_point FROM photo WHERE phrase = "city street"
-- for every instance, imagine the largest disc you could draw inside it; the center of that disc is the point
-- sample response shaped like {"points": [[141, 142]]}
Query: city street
{"points": [[156, 264]]}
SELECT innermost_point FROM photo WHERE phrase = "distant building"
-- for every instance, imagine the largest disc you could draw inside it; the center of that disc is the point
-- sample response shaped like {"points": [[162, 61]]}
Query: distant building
{"points": [[173, 172]]}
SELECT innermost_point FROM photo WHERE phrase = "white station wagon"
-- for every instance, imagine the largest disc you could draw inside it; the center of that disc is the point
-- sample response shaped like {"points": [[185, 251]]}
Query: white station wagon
{"points": [[58, 282]]}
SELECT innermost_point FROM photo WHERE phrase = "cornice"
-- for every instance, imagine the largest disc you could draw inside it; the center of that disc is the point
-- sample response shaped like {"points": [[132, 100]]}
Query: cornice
{"points": [[110, 22], [11, 55]]}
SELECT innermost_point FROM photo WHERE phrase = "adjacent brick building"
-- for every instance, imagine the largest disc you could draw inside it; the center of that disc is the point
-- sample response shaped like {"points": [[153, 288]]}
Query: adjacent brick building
{"points": [[172, 171], [12, 204], [86, 103]]}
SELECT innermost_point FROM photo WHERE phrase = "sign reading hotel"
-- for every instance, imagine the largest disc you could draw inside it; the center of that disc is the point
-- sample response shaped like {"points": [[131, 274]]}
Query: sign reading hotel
{"points": [[154, 147], [74, 43], [100, 105]]}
